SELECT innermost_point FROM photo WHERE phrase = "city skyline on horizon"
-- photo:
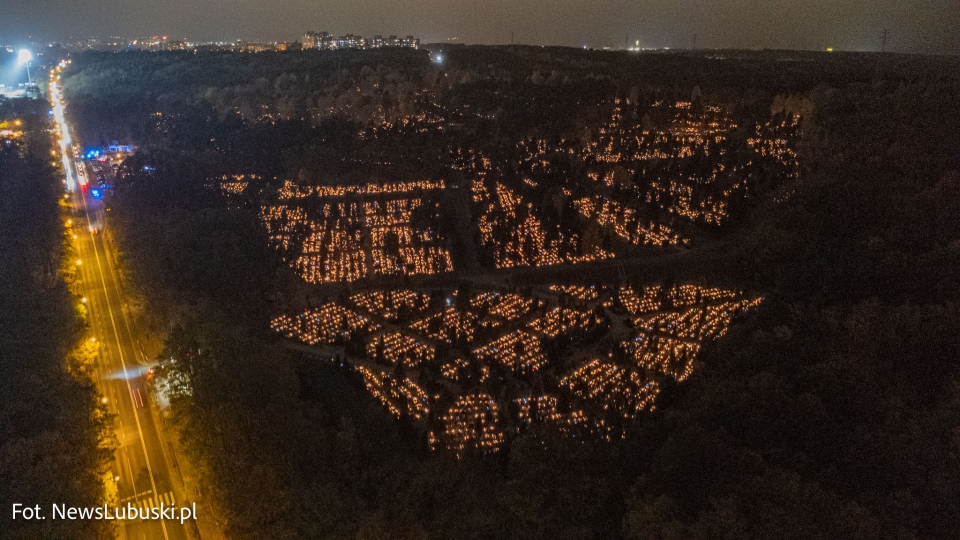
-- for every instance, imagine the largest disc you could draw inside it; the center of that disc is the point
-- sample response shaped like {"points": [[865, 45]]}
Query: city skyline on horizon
{"points": [[855, 25]]}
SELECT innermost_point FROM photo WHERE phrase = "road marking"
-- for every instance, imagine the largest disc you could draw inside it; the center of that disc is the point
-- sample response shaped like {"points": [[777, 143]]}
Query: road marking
{"points": [[149, 503], [126, 459], [125, 499]]}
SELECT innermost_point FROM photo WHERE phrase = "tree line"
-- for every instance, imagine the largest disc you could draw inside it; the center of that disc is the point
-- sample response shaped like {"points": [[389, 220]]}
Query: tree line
{"points": [[55, 437]]}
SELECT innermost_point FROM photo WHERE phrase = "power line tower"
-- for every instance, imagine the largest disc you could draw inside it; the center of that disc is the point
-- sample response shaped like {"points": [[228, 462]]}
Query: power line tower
{"points": [[883, 40]]}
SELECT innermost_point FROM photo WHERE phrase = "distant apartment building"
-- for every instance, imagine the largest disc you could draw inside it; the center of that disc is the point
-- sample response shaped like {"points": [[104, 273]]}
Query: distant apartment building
{"points": [[260, 46], [311, 40], [326, 41], [350, 41]]}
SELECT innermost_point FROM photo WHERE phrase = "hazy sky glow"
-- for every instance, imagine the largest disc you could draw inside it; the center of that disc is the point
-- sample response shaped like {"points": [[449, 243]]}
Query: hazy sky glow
{"points": [[923, 26]]}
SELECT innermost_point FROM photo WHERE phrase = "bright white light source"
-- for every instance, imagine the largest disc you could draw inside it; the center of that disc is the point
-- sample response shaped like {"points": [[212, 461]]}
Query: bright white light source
{"points": [[24, 56]]}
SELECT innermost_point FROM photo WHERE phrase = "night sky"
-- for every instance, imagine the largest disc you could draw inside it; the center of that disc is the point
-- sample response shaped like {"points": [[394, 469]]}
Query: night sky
{"points": [[917, 26]]}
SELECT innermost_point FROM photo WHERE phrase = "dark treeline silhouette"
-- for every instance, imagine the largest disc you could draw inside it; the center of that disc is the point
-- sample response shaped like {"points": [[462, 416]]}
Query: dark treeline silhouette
{"points": [[55, 438], [832, 413]]}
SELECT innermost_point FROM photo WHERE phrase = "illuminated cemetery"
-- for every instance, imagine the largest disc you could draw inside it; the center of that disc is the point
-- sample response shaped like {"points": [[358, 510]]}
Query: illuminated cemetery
{"points": [[584, 358], [529, 339], [647, 176], [347, 233], [472, 423], [514, 235], [645, 185]]}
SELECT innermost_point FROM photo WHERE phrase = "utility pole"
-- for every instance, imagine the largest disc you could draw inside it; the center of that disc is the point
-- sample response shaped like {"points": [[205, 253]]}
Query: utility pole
{"points": [[883, 40]]}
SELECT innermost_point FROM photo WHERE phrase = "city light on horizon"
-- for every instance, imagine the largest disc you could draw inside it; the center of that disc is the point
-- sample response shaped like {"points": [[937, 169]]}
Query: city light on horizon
{"points": [[921, 28]]}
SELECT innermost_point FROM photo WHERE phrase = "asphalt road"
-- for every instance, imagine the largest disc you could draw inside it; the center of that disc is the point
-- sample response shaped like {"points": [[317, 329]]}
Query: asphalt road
{"points": [[148, 476]]}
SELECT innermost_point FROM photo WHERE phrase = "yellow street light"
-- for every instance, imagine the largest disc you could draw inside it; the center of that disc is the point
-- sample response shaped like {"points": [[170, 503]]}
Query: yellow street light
{"points": [[84, 299], [79, 262]]}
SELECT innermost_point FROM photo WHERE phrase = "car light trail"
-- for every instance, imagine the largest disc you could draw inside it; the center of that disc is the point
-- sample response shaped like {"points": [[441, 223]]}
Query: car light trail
{"points": [[56, 99]]}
